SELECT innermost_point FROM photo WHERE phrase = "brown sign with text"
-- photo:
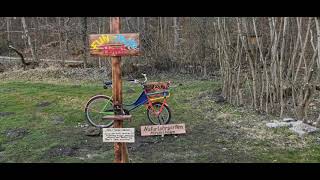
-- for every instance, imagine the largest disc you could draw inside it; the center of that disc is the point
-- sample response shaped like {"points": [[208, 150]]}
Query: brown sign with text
{"points": [[154, 130]]}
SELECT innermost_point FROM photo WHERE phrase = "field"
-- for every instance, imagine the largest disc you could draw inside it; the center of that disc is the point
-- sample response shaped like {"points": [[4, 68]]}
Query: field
{"points": [[43, 121]]}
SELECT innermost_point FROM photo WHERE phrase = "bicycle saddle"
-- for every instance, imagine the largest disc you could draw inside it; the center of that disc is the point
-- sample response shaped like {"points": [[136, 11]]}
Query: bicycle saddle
{"points": [[107, 84]]}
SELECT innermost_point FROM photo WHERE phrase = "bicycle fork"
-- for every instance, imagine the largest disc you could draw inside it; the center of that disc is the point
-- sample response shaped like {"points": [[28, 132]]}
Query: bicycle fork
{"points": [[157, 113]]}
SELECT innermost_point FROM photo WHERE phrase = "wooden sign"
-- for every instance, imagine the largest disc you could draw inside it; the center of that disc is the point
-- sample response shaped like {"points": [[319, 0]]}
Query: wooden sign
{"points": [[163, 129], [118, 135], [114, 44]]}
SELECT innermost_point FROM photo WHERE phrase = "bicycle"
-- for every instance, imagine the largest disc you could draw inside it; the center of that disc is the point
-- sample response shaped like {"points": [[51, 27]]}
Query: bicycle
{"points": [[154, 96]]}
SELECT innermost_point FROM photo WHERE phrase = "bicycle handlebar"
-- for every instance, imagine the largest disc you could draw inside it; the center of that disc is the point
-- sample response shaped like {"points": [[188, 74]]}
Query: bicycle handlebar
{"points": [[145, 78], [136, 81]]}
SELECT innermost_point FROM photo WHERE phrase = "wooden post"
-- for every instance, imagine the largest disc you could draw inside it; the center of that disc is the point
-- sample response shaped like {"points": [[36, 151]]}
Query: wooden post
{"points": [[120, 149]]}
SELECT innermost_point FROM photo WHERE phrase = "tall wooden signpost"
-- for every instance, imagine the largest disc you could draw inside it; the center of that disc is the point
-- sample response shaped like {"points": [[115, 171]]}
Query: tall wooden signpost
{"points": [[115, 45]]}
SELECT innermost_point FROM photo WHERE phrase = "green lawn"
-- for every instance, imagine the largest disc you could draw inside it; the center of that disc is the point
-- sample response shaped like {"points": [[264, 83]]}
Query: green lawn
{"points": [[215, 132]]}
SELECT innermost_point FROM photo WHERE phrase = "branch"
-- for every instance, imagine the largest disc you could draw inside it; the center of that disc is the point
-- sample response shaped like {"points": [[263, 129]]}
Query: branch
{"points": [[20, 54]]}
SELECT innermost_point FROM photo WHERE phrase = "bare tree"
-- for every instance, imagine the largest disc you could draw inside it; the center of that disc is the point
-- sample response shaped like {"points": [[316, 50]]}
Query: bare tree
{"points": [[176, 32], [84, 33], [26, 33], [203, 44], [318, 40], [61, 51], [8, 31]]}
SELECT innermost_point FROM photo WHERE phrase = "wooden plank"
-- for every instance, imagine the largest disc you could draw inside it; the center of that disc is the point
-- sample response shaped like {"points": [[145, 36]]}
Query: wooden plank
{"points": [[112, 45], [154, 130]]}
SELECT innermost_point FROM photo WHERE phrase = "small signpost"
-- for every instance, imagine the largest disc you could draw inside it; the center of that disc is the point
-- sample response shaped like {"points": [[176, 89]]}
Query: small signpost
{"points": [[115, 45]]}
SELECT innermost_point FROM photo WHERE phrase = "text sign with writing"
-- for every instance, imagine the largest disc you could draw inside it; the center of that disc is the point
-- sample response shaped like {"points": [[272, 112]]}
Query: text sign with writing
{"points": [[114, 44], [118, 135], [163, 129]]}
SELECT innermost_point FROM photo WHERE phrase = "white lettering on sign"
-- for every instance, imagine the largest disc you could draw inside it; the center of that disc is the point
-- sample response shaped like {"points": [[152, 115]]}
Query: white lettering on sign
{"points": [[118, 135], [163, 129]]}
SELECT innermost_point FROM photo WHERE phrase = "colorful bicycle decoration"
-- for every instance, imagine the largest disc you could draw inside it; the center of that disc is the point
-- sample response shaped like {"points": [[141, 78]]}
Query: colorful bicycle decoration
{"points": [[154, 97]]}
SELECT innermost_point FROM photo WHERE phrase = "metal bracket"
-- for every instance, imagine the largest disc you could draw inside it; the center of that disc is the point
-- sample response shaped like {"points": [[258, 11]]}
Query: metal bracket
{"points": [[117, 107]]}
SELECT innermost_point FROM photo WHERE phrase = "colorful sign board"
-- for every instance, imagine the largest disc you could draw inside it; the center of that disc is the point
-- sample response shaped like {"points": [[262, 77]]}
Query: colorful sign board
{"points": [[114, 44], [163, 129], [118, 135]]}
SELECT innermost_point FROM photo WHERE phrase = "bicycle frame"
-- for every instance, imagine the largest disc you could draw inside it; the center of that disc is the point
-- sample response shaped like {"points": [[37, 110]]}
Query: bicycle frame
{"points": [[142, 99]]}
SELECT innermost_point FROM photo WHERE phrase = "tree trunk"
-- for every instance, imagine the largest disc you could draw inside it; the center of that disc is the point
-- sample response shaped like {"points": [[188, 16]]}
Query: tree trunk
{"points": [[161, 27], [84, 26], [281, 66], [251, 63], [176, 33], [203, 45], [8, 32], [318, 43], [264, 89], [302, 51], [26, 33], [8, 28], [61, 51], [99, 31]]}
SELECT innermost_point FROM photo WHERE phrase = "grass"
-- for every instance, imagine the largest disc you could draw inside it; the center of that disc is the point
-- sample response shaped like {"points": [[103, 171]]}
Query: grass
{"points": [[215, 132]]}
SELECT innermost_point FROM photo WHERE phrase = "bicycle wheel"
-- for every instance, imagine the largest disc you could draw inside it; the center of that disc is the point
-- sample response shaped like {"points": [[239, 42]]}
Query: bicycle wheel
{"points": [[96, 108], [163, 118]]}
